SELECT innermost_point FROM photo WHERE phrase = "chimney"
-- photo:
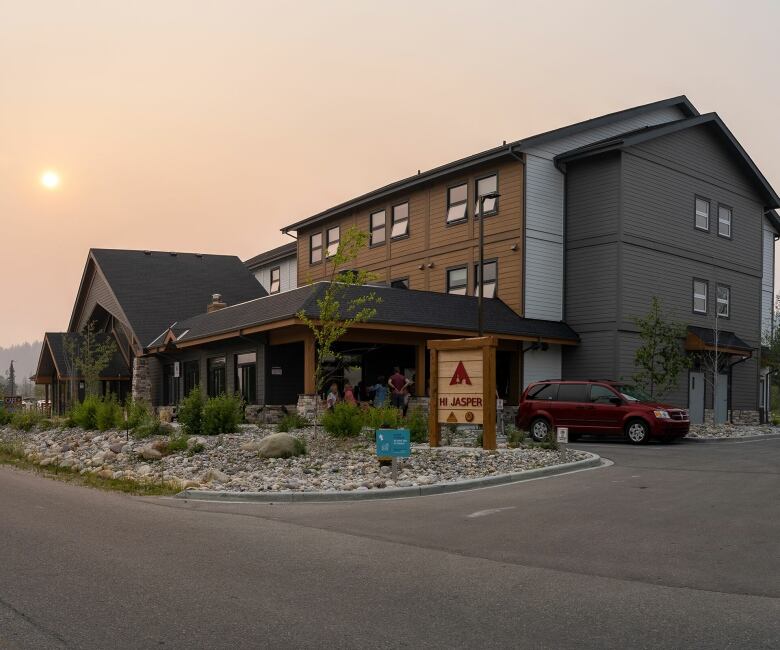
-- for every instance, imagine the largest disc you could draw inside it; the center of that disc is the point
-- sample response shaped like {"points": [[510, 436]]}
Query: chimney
{"points": [[216, 303]]}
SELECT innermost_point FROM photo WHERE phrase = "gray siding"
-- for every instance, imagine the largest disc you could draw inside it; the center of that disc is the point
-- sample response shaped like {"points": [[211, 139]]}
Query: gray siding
{"points": [[98, 294], [594, 358], [542, 364], [591, 285], [288, 271], [767, 278]]}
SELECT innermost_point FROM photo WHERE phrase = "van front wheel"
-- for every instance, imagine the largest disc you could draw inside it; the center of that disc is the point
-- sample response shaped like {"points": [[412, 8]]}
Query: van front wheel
{"points": [[637, 432]]}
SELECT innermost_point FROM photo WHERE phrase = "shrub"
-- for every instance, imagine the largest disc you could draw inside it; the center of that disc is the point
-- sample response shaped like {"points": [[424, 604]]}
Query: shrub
{"points": [[343, 421], [291, 422], [300, 447], [191, 412], [25, 420], [775, 419], [221, 415], [5, 417], [382, 417], [84, 415], [417, 424], [176, 443], [514, 436], [152, 427], [197, 448], [138, 413], [108, 414], [479, 439]]}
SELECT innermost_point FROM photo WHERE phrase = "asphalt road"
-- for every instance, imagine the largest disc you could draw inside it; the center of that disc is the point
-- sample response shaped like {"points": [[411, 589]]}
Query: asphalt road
{"points": [[672, 546]]}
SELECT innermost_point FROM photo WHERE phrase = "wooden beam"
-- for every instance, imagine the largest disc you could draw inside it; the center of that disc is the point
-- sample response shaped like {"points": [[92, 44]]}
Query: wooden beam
{"points": [[489, 397], [309, 364], [434, 429], [419, 380]]}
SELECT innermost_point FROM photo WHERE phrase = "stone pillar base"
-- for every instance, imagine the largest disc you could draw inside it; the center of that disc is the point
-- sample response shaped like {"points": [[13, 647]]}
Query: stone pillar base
{"points": [[141, 389]]}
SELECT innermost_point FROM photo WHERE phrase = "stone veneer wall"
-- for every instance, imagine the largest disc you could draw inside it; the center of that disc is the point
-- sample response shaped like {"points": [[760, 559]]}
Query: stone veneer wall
{"points": [[142, 380], [744, 417]]}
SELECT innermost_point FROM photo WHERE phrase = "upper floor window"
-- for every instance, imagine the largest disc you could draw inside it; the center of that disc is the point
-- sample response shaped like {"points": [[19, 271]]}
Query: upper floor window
{"points": [[485, 186], [401, 283], [702, 214], [276, 280], [491, 280], [378, 228], [457, 198], [724, 300], [700, 296], [334, 234], [457, 280], [400, 225], [315, 248], [724, 221]]}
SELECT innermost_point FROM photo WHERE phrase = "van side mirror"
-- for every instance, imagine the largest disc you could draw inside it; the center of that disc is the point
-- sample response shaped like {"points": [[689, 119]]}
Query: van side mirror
{"points": [[616, 401]]}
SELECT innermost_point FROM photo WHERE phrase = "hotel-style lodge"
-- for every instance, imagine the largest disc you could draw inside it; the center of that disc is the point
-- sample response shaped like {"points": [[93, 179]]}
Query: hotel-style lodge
{"points": [[592, 221]]}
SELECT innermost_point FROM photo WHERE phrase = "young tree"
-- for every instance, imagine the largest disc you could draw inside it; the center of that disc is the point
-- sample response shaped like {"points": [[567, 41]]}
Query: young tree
{"points": [[660, 358], [337, 313], [89, 357], [11, 383]]}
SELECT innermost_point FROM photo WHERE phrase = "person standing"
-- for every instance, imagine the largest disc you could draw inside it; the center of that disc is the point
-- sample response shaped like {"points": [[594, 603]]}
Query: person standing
{"points": [[349, 395], [398, 384], [379, 389], [333, 396]]}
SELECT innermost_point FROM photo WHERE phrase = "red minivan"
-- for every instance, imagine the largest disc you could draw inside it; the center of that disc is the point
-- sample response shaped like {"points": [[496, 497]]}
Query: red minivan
{"points": [[598, 407]]}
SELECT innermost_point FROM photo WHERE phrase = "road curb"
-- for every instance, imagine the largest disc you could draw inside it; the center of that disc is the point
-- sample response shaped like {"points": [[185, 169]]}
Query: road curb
{"points": [[768, 436], [392, 493]]}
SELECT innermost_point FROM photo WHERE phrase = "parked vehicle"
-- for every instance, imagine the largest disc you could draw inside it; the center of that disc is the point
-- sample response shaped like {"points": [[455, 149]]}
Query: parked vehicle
{"points": [[599, 407]]}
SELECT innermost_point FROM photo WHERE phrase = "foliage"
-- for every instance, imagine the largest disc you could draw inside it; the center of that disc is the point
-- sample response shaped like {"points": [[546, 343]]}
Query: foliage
{"points": [[774, 419], [89, 357], [660, 358], [151, 427], [417, 424], [191, 412], [138, 413], [449, 433], [25, 420], [84, 415], [222, 415], [343, 421], [479, 439], [770, 343], [108, 414], [382, 417], [291, 422], [197, 448], [11, 450], [514, 436], [176, 443], [5, 416], [300, 447]]}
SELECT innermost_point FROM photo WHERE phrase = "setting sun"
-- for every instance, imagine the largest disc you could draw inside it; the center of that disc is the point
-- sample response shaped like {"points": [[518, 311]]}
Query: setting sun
{"points": [[50, 179]]}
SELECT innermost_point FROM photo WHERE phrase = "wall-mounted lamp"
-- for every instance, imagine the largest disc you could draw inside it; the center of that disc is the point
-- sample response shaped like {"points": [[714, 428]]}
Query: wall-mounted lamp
{"points": [[514, 247], [430, 265], [421, 267]]}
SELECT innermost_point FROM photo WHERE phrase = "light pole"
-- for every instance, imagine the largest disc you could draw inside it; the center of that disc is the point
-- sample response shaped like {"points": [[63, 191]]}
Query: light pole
{"points": [[481, 268]]}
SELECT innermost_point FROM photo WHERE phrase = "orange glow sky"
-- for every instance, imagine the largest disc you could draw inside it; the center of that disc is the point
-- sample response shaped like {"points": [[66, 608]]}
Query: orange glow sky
{"points": [[207, 126]]}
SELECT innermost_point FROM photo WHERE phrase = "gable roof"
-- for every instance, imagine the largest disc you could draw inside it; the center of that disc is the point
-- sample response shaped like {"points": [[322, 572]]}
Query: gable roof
{"points": [[287, 250], [54, 347], [398, 307], [638, 136], [507, 150], [155, 288]]}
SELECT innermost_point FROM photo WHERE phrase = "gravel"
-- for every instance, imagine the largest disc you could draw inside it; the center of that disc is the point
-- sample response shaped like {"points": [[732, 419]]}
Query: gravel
{"points": [[713, 431], [330, 465]]}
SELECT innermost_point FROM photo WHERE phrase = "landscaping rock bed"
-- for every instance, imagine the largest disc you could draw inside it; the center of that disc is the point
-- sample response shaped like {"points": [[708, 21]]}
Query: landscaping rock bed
{"points": [[717, 431], [231, 461]]}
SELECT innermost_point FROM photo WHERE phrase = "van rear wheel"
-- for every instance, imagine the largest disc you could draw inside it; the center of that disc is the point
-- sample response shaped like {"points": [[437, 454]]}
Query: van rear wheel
{"points": [[540, 429], [637, 432]]}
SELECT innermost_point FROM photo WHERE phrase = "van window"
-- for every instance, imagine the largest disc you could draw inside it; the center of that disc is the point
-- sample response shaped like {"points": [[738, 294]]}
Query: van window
{"points": [[601, 394], [543, 391], [573, 393]]}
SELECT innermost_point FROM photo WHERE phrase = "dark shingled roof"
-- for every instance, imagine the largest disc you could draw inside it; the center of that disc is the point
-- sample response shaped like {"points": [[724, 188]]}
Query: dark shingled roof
{"points": [[399, 307], [117, 367], [287, 250], [155, 289], [725, 339]]}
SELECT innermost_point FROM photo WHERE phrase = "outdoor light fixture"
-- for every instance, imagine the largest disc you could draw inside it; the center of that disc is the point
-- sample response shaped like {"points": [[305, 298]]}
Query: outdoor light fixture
{"points": [[480, 306], [513, 247], [430, 265], [421, 267]]}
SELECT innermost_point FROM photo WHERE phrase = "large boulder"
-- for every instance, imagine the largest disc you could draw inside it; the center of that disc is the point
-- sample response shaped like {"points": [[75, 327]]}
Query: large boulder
{"points": [[278, 445], [150, 453], [214, 475]]}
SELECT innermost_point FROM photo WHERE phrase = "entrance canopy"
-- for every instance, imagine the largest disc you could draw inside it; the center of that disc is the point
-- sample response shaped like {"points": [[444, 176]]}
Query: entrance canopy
{"points": [[701, 339]]}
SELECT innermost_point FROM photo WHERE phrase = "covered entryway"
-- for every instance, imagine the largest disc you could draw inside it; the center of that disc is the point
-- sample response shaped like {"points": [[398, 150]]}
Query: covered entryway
{"points": [[284, 373]]}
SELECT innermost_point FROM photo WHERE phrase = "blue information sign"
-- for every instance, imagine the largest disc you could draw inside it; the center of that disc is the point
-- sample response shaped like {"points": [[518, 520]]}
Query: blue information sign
{"points": [[393, 443]]}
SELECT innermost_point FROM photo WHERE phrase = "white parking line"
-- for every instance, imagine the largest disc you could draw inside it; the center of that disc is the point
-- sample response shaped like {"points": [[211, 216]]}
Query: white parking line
{"points": [[485, 513]]}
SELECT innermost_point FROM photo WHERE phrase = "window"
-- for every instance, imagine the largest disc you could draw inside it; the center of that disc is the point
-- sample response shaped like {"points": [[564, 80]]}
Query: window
{"points": [[724, 300], [543, 391], [170, 385], [457, 280], [700, 296], [400, 225], [573, 392], [216, 376], [191, 376], [724, 221], [334, 234], [246, 376], [402, 283], [378, 228], [601, 394], [315, 248], [702, 214], [491, 279], [276, 280], [486, 186], [457, 198]]}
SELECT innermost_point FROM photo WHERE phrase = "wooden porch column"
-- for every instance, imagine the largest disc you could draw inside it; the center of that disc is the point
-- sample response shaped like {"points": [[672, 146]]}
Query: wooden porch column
{"points": [[419, 380], [46, 397], [309, 364]]}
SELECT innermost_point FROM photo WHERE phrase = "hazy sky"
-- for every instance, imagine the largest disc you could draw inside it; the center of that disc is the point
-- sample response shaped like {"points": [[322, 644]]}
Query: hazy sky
{"points": [[207, 126]]}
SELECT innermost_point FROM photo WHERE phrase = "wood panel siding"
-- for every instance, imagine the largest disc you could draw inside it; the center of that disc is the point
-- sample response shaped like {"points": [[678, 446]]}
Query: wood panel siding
{"points": [[432, 243]]}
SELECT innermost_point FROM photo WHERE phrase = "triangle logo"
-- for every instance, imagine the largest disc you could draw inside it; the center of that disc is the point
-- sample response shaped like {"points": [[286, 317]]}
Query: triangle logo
{"points": [[460, 376], [452, 417]]}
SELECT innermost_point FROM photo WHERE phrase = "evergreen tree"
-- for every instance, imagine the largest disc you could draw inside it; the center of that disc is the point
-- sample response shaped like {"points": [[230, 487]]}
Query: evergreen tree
{"points": [[11, 384]]}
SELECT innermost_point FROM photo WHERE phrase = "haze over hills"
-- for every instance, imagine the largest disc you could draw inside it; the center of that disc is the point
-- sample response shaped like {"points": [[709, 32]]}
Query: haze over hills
{"points": [[25, 358]]}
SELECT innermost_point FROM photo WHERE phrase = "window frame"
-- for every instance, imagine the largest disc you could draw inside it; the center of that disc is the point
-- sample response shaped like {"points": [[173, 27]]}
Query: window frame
{"points": [[185, 366], [731, 221], [488, 213], [393, 221], [237, 373], [278, 270], [465, 202], [696, 199], [328, 241], [727, 287], [371, 229], [460, 267], [706, 296], [210, 370], [476, 277], [312, 248]]}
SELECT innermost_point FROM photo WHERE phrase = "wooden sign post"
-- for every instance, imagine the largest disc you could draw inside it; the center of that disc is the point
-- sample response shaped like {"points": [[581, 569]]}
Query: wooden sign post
{"points": [[463, 386]]}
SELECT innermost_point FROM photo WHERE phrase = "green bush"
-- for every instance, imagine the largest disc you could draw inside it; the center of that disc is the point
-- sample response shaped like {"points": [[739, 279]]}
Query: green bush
{"points": [[514, 436], [152, 427], [382, 417], [191, 412], [479, 440], [343, 421], [84, 415], [25, 420], [417, 424], [221, 415], [291, 422], [138, 413], [177, 443], [300, 447], [5, 417], [774, 419], [108, 414]]}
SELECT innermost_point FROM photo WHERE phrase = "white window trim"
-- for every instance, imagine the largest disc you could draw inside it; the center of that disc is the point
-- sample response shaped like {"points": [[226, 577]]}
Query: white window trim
{"points": [[702, 214], [726, 302], [700, 296]]}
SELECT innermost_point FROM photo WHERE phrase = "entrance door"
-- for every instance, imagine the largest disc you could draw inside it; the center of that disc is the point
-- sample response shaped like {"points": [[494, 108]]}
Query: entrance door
{"points": [[696, 397], [721, 399]]}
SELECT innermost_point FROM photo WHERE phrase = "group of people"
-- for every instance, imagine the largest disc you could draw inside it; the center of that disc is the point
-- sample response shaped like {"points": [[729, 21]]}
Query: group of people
{"points": [[394, 391]]}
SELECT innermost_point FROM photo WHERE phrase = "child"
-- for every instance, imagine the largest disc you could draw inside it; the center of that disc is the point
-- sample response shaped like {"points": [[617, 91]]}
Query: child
{"points": [[333, 397], [349, 395], [380, 391]]}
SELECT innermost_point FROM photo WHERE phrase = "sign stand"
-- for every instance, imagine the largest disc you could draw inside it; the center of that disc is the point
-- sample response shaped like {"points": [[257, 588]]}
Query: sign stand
{"points": [[562, 434]]}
